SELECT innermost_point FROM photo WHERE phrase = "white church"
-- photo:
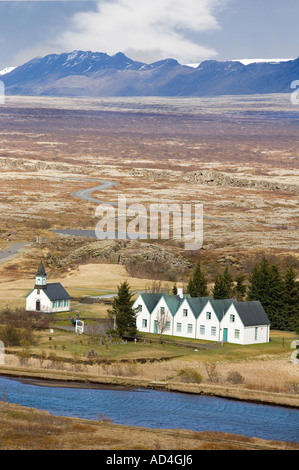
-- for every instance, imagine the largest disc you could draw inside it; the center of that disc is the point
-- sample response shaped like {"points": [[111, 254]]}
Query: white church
{"points": [[47, 298]]}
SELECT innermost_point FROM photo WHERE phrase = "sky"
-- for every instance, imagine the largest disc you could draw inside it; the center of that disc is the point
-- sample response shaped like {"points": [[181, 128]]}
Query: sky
{"points": [[150, 30]]}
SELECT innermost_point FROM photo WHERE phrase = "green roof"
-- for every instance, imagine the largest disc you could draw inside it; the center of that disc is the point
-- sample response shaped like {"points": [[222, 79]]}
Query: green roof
{"points": [[172, 301], [197, 304], [220, 306], [251, 313], [151, 300]]}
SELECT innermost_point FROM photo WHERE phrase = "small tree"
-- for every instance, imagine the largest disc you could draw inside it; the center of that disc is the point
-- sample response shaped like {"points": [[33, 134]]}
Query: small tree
{"points": [[163, 319], [123, 311], [198, 286], [240, 288], [266, 285], [223, 287], [291, 300]]}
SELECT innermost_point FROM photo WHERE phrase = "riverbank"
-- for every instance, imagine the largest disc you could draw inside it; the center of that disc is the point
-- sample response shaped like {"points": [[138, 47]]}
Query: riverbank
{"points": [[24, 428]]}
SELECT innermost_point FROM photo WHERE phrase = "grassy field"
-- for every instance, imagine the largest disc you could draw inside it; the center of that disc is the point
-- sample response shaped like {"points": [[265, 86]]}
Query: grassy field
{"points": [[64, 355]]}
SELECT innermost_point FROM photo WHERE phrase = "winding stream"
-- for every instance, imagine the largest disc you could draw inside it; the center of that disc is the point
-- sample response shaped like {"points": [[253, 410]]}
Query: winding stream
{"points": [[86, 195], [158, 409]]}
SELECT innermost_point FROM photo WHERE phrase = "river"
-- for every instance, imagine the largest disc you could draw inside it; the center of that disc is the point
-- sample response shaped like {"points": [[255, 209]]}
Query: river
{"points": [[158, 409]]}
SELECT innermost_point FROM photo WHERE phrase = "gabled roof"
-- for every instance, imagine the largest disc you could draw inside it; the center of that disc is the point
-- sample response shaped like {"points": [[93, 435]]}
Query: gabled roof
{"points": [[151, 300], [252, 313], [220, 306], [172, 301], [41, 270], [56, 291], [197, 304]]}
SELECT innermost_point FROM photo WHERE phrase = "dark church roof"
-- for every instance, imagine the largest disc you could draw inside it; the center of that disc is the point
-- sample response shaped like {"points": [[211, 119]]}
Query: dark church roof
{"points": [[56, 291], [41, 270]]}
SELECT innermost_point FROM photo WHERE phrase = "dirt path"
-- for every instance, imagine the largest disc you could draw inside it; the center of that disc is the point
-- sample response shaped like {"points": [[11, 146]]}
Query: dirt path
{"points": [[12, 251]]}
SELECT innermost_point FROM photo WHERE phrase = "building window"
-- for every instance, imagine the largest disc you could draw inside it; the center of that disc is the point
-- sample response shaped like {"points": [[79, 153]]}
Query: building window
{"points": [[162, 310], [179, 327], [185, 312], [237, 334], [208, 316], [139, 308], [189, 327], [144, 323], [213, 330], [38, 291], [167, 326], [255, 332], [202, 329], [58, 303], [53, 304], [232, 318]]}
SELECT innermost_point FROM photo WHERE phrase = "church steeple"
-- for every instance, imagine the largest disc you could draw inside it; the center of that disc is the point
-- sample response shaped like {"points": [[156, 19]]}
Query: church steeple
{"points": [[40, 277]]}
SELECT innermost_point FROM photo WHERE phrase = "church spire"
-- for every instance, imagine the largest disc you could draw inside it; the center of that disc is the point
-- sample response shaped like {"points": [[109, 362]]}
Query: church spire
{"points": [[41, 270], [41, 277]]}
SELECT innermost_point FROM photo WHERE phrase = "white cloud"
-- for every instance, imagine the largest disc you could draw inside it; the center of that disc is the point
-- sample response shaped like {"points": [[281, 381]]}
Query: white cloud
{"points": [[145, 30]]}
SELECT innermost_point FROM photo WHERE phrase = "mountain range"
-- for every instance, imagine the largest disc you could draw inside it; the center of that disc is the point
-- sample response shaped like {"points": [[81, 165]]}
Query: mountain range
{"points": [[97, 74]]}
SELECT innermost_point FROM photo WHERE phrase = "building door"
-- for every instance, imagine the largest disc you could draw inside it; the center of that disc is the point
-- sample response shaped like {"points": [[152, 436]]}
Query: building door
{"points": [[224, 334], [37, 307], [156, 326]]}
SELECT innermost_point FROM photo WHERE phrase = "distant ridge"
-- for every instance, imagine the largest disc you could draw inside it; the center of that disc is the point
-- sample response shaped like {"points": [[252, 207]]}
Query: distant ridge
{"points": [[251, 61], [97, 74], [6, 70]]}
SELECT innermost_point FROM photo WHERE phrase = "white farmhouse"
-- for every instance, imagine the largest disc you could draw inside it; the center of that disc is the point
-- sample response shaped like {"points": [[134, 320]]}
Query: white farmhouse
{"points": [[47, 298], [202, 318]]}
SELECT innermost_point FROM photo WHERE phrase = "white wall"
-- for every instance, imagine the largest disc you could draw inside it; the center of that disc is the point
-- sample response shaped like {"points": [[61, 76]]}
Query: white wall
{"points": [[45, 303], [213, 328], [185, 321], [211, 325], [247, 335], [156, 316], [261, 335], [235, 329], [142, 315]]}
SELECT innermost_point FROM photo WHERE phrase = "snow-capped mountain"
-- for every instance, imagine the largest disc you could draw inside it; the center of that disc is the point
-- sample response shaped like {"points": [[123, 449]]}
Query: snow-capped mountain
{"points": [[250, 61], [95, 74], [262, 61], [7, 70]]}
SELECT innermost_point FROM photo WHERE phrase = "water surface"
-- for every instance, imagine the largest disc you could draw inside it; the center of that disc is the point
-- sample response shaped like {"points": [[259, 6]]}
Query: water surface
{"points": [[158, 409]]}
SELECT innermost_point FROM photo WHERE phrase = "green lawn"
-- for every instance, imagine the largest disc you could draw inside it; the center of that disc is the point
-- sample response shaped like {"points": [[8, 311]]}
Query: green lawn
{"points": [[69, 344]]}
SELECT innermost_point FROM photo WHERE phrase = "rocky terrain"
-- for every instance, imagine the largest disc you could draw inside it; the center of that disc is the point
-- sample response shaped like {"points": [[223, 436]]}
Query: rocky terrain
{"points": [[236, 156]]}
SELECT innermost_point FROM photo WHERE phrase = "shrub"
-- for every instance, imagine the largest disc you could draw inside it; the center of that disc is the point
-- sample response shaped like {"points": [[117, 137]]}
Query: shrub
{"points": [[211, 372], [235, 378], [10, 335], [190, 376]]}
